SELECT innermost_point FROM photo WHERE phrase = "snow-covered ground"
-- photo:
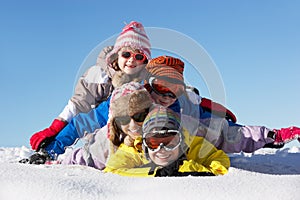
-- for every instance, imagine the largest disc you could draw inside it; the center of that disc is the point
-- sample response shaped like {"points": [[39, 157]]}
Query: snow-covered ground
{"points": [[265, 174]]}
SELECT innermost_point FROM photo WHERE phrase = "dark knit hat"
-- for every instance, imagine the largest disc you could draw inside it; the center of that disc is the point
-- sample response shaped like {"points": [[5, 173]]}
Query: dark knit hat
{"points": [[133, 35]]}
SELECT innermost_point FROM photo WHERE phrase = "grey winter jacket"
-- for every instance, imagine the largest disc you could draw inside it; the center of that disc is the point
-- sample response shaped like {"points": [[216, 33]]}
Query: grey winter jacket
{"points": [[94, 87]]}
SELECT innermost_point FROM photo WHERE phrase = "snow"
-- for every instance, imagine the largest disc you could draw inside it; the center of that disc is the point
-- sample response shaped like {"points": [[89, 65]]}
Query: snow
{"points": [[264, 174]]}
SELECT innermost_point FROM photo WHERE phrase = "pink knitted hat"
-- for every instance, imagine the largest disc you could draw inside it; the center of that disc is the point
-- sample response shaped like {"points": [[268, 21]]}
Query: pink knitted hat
{"points": [[120, 99], [133, 35]]}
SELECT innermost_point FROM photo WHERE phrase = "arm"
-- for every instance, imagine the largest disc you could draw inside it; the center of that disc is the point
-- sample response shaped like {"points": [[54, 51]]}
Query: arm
{"points": [[79, 126], [92, 88], [89, 93], [207, 157], [127, 161], [95, 85], [217, 109]]}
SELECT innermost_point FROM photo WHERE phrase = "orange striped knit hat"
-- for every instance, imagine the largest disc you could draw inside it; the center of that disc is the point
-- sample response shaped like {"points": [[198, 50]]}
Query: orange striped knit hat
{"points": [[169, 69]]}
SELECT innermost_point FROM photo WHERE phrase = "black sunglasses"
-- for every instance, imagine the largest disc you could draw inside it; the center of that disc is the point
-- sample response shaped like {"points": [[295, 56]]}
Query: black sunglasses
{"points": [[138, 117]]}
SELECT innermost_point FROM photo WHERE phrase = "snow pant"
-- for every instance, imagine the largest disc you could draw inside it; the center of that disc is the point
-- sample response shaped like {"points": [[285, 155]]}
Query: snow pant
{"points": [[94, 153], [226, 135]]}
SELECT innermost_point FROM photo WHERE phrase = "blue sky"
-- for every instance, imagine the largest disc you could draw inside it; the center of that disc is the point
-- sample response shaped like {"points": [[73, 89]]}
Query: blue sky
{"points": [[255, 46]]}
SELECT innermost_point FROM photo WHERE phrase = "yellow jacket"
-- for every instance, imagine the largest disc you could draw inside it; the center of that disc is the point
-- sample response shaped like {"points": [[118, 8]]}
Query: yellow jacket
{"points": [[202, 156]]}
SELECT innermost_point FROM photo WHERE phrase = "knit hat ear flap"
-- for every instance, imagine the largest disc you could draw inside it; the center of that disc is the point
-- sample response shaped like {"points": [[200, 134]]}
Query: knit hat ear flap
{"points": [[116, 135], [133, 35]]}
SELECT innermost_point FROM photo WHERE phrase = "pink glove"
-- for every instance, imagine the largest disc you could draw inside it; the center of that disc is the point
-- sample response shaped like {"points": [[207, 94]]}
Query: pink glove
{"points": [[286, 135], [37, 138]]}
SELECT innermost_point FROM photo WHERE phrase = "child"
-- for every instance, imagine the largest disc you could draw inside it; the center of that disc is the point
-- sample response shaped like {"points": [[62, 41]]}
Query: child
{"points": [[165, 84], [168, 150], [130, 54], [129, 105]]}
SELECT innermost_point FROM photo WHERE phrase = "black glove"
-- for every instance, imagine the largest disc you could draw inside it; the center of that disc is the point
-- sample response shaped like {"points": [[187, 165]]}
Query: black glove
{"points": [[46, 142], [193, 174], [38, 158], [167, 171], [171, 169]]}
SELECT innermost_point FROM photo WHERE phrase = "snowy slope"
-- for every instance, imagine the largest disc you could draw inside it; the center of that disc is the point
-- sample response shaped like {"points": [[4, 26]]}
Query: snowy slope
{"points": [[265, 174]]}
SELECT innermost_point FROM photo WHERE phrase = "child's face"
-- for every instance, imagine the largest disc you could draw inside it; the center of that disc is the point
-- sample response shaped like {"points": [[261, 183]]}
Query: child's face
{"points": [[133, 129], [164, 92], [162, 100], [163, 145], [163, 157], [132, 125], [129, 61]]}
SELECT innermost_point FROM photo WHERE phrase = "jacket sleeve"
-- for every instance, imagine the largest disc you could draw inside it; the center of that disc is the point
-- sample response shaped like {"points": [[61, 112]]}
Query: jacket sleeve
{"points": [[95, 85], [228, 136], [127, 162], [90, 92], [207, 157], [80, 125], [91, 89]]}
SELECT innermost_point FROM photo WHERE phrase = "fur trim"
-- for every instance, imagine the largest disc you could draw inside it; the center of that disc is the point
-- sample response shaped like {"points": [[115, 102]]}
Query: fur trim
{"points": [[139, 101], [101, 61], [120, 78]]}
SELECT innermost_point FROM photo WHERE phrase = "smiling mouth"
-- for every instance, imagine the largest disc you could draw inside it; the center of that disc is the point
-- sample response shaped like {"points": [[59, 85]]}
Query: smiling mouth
{"points": [[131, 66], [135, 132], [162, 156], [163, 103]]}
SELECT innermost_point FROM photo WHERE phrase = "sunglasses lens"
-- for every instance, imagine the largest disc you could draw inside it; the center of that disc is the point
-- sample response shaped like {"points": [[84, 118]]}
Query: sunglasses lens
{"points": [[170, 140], [163, 91], [140, 117], [139, 56], [126, 54], [123, 120], [164, 88]]}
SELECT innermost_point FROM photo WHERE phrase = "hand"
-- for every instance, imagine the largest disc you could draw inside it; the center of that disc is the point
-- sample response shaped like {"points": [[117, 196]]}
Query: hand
{"points": [[285, 135], [37, 139], [38, 158], [168, 170], [129, 141], [194, 174], [171, 169]]}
